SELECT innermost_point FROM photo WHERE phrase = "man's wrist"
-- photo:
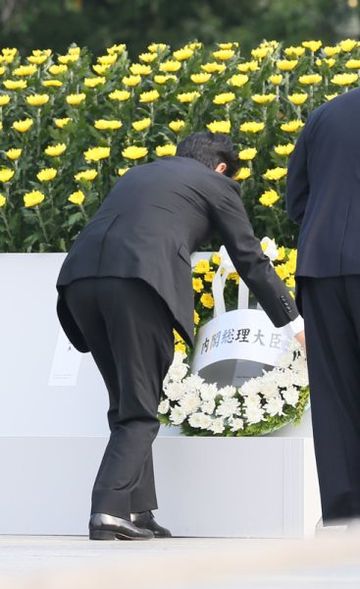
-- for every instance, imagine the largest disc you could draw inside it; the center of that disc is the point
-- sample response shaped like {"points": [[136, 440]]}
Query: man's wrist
{"points": [[296, 326]]}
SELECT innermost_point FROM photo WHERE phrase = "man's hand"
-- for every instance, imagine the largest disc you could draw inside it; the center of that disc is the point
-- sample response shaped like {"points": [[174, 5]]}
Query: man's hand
{"points": [[301, 338]]}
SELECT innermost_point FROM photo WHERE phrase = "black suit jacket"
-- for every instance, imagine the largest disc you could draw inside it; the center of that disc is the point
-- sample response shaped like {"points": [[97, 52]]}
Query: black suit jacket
{"points": [[147, 227], [323, 189]]}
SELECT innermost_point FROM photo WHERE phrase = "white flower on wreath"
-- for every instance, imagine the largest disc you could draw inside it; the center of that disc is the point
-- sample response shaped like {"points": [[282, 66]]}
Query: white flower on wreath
{"points": [[236, 424], [228, 407], [200, 420], [177, 371], [270, 248], [164, 407], [274, 406], [194, 382], [254, 414], [175, 391], [209, 391], [252, 402], [190, 403], [228, 391], [291, 396], [177, 415], [217, 425], [251, 387], [208, 407]]}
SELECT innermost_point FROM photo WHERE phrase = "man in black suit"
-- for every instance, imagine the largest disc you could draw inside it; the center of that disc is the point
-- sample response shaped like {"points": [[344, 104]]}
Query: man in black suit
{"points": [[127, 283], [323, 196]]}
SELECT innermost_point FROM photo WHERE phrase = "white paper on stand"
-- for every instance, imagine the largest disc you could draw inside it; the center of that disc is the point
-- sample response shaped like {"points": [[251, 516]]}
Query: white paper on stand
{"points": [[66, 363]]}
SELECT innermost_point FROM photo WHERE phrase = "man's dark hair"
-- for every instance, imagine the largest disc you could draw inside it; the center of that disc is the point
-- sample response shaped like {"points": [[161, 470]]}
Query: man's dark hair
{"points": [[210, 149]]}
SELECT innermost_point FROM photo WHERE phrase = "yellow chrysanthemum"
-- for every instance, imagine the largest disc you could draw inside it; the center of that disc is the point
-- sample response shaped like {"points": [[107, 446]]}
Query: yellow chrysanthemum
{"points": [[75, 99], [6, 174], [269, 198], [348, 45], [290, 282], [23, 126], [2, 69], [310, 79], [243, 174], [294, 51], [196, 314], [331, 51], [94, 82], [170, 66], [4, 99], [238, 80], [312, 45], [33, 198], [122, 171], [147, 57], [109, 59], [46, 175], [344, 79], [13, 154], [157, 47], [219, 126], [100, 70], [276, 79], [224, 54], [65, 59], [186, 97], [331, 96], [77, 197], [95, 154], [131, 81], [165, 150], [281, 253], [117, 48], [207, 300], [202, 267], [209, 276], [353, 64], [282, 271], [133, 152], [252, 127], [234, 276], [2, 200], [284, 150], [107, 125], [163, 78], [55, 150], [263, 98], [61, 123], [24, 70], [37, 99], [57, 70], [286, 65], [224, 98], [52, 83], [200, 78], [298, 98], [180, 347], [150, 96], [292, 126], [183, 54], [216, 259], [275, 173], [260, 52], [37, 59], [248, 153], [120, 95], [86, 176], [15, 84], [177, 125], [197, 284], [213, 67], [140, 69], [142, 124], [248, 66]]}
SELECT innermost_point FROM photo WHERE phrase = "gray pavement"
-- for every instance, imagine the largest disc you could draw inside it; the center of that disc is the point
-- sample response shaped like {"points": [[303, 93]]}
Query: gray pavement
{"points": [[69, 562]]}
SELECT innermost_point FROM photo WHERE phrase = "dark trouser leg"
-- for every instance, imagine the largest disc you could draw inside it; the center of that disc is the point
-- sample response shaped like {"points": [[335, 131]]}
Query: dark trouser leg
{"points": [[333, 353], [138, 348]]}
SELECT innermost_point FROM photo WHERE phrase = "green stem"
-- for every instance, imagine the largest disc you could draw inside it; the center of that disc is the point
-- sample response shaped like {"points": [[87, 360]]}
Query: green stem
{"points": [[41, 223], [86, 217], [8, 230]]}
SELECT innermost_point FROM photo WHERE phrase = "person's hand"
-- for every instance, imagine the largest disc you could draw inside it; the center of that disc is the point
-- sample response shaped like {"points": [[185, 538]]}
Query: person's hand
{"points": [[301, 338]]}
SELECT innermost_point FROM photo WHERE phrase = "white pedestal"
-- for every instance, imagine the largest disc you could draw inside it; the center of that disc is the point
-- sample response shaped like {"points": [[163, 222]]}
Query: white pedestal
{"points": [[52, 439]]}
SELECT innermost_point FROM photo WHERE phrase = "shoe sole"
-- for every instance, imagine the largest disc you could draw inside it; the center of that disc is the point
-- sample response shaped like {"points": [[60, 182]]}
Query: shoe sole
{"points": [[108, 535]]}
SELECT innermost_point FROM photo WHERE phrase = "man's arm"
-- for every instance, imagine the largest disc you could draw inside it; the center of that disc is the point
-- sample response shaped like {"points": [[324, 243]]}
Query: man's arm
{"points": [[254, 267], [297, 188]]}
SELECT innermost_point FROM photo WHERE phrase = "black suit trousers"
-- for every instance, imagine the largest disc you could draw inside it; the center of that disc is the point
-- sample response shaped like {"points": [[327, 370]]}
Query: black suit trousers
{"points": [[331, 312], [129, 331]]}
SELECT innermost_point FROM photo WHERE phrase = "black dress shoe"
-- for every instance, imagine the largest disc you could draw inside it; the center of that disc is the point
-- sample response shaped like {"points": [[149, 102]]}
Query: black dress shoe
{"points": [[146, 520], [108, 527]]}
